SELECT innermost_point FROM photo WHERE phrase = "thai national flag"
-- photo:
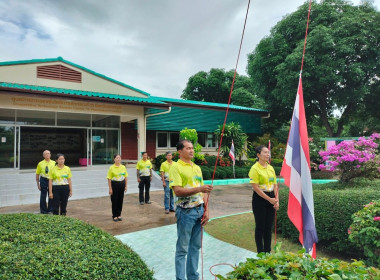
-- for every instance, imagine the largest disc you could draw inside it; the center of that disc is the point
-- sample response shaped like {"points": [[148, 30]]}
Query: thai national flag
{"points": [[296, 172], [232, 152]]}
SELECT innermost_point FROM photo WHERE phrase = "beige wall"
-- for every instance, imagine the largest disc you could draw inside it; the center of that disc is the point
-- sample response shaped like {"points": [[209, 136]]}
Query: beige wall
{"points": [[126, 112], [27, 74]]}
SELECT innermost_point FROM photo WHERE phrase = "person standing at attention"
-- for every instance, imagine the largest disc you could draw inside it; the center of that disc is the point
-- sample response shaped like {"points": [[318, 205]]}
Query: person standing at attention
{"points": [[190, 193], [60, 186], [42, 179], [164, 169], [144, 177], [117, 185], [265, 198]]}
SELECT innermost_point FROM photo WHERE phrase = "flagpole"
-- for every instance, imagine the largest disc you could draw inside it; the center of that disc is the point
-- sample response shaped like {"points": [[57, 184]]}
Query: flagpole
{"points": [[233, 168]]}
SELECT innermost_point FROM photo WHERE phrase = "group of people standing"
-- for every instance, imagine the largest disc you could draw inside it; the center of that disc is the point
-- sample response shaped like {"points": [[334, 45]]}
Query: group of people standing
{"points": [[53, 179], [183, 179]]}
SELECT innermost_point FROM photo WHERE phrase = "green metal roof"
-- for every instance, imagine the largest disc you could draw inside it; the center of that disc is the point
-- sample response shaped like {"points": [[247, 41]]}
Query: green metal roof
{"points": [[149, 99], [201, 119], [209, 104], [74, 65]]}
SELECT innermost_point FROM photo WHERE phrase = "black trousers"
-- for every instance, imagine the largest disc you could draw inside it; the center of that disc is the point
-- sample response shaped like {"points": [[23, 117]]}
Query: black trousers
{"points": [[45, 208], [60, 198], [145, 182], [264, 216], [117, 197]]}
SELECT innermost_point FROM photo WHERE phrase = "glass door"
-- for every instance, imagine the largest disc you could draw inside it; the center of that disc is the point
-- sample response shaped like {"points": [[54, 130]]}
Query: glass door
{"points": [[104, 145], [8, 158]]}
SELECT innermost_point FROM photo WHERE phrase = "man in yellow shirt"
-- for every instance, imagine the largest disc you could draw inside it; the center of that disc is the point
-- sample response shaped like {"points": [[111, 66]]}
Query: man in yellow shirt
{"points": [[42, 179], [190, 193], [164, 169], [144, 177]]}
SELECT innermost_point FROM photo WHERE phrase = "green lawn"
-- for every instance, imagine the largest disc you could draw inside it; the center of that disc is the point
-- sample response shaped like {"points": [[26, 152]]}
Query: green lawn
{"points": [[239, 231]]}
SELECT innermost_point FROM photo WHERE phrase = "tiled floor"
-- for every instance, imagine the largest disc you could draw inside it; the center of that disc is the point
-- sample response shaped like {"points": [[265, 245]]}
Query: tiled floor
{"points": [[157, 248]]}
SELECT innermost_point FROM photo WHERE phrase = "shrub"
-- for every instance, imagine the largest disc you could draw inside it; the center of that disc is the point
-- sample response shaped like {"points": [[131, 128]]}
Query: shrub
{"points": [[158, 161], [58, 247], [276, 162], [364, 232], [281, 265], [210, 160], [206, 172], [277, 170], [322, 174], [334, 204]]}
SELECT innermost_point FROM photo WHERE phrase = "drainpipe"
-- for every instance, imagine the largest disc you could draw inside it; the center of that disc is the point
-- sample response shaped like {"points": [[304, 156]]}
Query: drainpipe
{"points": [[266, 117], [155, 114]]}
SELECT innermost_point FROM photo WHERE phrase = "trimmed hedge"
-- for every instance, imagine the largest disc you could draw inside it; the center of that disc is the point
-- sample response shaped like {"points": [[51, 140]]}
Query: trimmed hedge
{"points": [[334, 204], [35, 246]]}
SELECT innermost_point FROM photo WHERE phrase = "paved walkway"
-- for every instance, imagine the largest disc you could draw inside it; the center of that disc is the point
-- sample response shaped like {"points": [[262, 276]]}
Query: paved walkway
{"points": [[157, 246]]}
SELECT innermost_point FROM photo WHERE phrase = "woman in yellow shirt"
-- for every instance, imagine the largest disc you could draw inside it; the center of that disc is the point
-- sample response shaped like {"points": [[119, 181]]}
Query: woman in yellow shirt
{"points": [[265, 198], [117, 186], [60, 186]]}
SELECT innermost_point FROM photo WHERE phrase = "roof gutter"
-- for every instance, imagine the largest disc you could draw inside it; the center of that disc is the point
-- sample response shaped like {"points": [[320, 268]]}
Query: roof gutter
{"points": [[156, 114]]}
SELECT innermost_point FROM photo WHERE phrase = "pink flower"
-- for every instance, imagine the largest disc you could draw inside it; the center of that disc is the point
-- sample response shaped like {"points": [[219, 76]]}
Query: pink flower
{"points": [[376, 218], [349, 231]]}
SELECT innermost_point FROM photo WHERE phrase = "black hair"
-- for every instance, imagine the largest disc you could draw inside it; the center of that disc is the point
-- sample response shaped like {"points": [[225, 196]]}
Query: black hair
{"points": [[115, 155], [168, 153], [258, 149], [142, 153], [180, 144], [59, 155]]}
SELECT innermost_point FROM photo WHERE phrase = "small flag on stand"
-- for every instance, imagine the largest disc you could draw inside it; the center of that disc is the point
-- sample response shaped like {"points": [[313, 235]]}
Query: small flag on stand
{"points": [[232, 152]]}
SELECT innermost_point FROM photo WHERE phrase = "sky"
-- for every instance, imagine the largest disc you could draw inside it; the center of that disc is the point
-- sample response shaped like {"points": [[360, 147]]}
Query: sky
{"points": [[152, 45]]}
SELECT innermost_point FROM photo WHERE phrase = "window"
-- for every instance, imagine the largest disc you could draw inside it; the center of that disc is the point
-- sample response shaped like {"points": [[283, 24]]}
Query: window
{"points": [[105, 121], [211, 141], [174, 138], [170, 140], [202, 139], [25, 117], [72, 119], [162, 139]]}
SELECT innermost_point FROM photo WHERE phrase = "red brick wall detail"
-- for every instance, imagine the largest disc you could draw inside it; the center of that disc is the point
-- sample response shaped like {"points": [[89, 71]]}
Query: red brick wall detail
{"points": [[128, 141], [151, 143]]}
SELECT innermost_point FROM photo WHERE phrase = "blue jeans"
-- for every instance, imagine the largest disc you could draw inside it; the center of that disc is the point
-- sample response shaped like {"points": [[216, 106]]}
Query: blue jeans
{"points": [[168, 199], [188, 242], [45, 208]]}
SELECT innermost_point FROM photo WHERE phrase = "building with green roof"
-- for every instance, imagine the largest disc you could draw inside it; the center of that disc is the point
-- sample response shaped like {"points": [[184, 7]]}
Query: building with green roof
{"points": [[64, 107]]}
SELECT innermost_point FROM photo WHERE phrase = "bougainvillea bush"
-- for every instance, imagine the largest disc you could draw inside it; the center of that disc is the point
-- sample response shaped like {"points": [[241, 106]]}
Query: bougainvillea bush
{"points": [[283, 265], [365, 232], [353, 158]]}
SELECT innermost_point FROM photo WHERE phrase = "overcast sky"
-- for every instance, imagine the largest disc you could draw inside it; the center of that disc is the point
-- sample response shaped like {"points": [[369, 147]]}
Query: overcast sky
{"points": [[153, 45]]}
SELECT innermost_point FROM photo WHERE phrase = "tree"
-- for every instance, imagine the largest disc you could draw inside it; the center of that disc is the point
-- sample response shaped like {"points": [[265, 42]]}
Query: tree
{"points": [[341, 67], [215, 86], [232, 131]]}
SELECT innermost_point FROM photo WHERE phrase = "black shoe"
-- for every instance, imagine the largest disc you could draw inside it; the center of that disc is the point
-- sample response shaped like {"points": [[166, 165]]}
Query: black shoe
{"points": [[141, 203], [172, 210], [115, 219], [148, 202]]}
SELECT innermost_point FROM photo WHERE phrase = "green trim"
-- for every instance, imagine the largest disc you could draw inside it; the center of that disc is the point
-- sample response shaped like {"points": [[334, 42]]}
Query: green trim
{"points": [[246, 181], [339, 138], [209, 104], [74, 65], [82, 93]]}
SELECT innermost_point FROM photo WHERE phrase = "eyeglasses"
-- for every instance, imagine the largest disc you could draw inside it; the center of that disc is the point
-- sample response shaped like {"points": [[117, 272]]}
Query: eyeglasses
{"points": [[46, 169]]}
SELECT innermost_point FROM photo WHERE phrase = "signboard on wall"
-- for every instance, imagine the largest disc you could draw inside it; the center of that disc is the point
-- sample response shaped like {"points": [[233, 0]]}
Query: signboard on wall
{"points": [[96, 138]]}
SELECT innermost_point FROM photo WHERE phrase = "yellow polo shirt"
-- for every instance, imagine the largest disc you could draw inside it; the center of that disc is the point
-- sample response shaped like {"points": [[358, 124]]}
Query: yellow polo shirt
{"points": [[265, 177], [117, 173], [144, 167], [186, 175], [41, 168], [165, 167], [60, 176]]}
